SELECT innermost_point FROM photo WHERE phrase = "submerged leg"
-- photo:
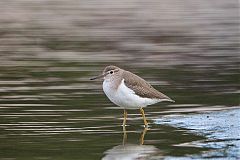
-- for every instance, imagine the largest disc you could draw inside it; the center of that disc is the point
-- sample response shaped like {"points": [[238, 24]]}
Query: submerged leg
{"points": [[125, 117], [144, 118]]}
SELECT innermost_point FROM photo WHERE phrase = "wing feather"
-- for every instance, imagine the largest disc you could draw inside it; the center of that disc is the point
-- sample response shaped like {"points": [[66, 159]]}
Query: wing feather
{"points": [[142, 88]]}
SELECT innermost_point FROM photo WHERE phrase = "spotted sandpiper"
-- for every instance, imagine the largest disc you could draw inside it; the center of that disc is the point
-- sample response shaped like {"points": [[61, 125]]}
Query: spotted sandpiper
{"points": [[129, 91]]}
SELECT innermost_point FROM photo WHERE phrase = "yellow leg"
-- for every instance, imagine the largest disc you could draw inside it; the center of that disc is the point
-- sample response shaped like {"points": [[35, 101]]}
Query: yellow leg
{"points": [[144, 118], [125, 117], [143, 135], [124, 135]]}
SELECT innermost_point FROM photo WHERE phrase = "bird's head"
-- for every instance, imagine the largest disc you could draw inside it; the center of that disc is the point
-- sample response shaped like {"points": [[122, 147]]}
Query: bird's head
{"points": [[108, 73]]}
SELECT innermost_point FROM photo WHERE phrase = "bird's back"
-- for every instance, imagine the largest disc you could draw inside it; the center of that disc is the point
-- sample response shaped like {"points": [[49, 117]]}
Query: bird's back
{"points": [[143, 88]]}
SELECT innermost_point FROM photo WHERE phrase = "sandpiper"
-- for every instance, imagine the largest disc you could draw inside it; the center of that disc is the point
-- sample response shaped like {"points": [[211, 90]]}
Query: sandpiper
{"points": [[129, 91]]}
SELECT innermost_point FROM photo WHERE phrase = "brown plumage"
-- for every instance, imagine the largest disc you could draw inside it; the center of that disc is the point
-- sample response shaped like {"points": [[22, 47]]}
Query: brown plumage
{"points": [[141, 87]]}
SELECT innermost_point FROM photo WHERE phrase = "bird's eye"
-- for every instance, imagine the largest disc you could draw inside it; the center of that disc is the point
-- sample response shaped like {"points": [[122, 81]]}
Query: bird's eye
{"points": [[111, 72]]}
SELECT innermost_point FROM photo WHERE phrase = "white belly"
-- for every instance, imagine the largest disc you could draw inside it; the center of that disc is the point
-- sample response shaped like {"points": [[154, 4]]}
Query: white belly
{"points": [[125, 97]]}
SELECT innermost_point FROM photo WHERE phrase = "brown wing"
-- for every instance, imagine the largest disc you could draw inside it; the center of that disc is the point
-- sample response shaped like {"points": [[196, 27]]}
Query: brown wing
{"points": [[141, 87]]}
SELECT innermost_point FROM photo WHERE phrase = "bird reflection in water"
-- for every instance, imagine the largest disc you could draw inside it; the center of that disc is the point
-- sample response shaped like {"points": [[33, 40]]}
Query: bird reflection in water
{"points": [[129, 151]]}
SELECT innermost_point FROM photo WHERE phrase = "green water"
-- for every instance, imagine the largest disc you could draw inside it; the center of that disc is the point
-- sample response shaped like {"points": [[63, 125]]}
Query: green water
{"points": [[49, 109]]}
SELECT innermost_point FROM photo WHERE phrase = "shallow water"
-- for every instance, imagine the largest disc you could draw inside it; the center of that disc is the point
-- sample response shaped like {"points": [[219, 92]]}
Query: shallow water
{"points": [[49, 109]]}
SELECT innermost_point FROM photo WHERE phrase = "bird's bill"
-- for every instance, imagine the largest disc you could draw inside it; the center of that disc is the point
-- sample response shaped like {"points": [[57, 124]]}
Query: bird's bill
{"points": [[99, 76]]}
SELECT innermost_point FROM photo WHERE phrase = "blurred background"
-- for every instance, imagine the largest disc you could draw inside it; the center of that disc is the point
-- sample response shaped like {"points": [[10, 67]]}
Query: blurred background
{"points": [[49, 49]]}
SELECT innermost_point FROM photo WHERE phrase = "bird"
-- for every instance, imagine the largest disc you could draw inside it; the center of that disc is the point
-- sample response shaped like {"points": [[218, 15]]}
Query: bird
{"points": [[129, 91]]}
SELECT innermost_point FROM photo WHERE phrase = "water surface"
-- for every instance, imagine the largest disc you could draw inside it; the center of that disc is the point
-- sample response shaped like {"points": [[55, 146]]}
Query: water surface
{"points": [[49, 109]]}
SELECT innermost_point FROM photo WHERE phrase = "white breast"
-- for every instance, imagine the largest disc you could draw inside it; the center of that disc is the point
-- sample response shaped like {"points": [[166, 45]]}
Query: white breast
{"points": [[125, 97]]}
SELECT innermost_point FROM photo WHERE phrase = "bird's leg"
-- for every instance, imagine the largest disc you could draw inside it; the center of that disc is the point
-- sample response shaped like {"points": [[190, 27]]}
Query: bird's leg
{"points": [[143, 135], [124, 135], [144, 118], [125, 117]]}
